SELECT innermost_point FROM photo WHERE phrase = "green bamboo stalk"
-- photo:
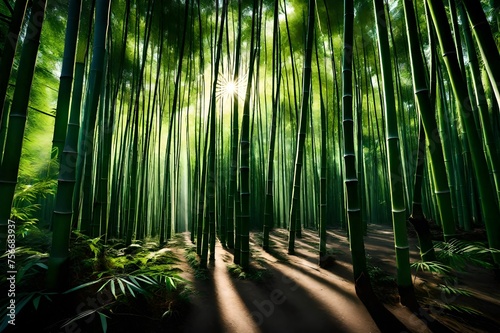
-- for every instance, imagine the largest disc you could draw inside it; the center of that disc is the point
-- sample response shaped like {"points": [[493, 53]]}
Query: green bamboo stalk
{"points": [[92, 102], [404, 281], [105, 163], [244, 188], [301, 133], [355, 223], [66, 79], [402, 128], [489, 205], [8, 54], [484, 37], [61, 218], [211, 171], [4, 125], [232, 218], [481, 104], [18, 115], [323, 168], [202, 235], [428, 118], [276, 84], [417, 218]]}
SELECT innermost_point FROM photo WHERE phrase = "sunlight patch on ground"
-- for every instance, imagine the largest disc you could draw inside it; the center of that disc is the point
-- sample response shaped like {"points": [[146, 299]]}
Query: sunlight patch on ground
{"points": [[229, 302], [338, 298]]}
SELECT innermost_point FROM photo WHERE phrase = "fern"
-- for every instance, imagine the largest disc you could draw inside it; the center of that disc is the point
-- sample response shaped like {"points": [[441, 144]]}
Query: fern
{"points": [[462, 309], [192, 260], [236, 271], [449, 290], [458, 254], [36, 181], [24, 205], [435, 267], [142, 282]]}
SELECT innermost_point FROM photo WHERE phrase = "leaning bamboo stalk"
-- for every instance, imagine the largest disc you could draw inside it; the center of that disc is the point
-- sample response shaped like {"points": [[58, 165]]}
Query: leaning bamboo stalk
{"points": [[489, 205], [9, 168]]}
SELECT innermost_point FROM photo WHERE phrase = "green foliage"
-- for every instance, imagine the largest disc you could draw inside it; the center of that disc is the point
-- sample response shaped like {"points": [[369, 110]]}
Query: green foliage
{"points": [[194, 262], [25, 203], [30, 264], [31, 267], [461, 309], [87, 255], [128, 284], [105, 259], [252, 273], [86, 313], [379, 276], [434, 267], [146, 274], [30, 236], [458, 254], [450, 290], [237, 271], [455, 256], [34, 186], [94, 244]]}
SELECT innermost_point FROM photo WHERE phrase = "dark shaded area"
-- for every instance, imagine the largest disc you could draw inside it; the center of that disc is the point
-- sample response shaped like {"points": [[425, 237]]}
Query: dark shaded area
{"points": [[290, 312], [204, 313], [384, 319], [132, 314], [424, 236]]}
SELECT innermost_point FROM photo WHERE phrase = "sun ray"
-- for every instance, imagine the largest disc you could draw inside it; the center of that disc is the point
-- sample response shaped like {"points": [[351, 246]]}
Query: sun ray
{"points": [[227, 88]]}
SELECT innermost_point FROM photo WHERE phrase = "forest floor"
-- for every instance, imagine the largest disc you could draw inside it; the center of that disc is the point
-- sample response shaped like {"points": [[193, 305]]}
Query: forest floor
{"points": [[290, 293], [279, 293]]}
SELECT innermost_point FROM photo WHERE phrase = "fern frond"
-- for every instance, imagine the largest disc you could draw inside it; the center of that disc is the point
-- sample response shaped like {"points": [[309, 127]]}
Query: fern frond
{"points": [[433, 267], [449, 290], [462, 309]]}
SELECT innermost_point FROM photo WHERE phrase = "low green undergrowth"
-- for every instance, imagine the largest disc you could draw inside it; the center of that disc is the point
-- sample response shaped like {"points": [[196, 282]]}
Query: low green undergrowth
{"points": [[111, 286], [453, 257]]}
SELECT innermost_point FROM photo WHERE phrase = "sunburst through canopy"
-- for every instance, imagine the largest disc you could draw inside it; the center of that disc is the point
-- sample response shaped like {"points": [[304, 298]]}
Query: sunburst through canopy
{"points": [[227, 87]]}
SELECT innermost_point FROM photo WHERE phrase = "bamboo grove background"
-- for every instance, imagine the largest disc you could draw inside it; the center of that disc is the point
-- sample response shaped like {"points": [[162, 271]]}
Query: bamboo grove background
{"points": [[223, 117]]}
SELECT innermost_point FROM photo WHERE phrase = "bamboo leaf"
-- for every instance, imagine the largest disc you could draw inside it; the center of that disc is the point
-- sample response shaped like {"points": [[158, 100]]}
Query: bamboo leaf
{"points": [[81, 286], [79, 316], [104, 285], [122, 287], [146, 279], [104, 322], [36, 301], [130, 289], [113, 291]]}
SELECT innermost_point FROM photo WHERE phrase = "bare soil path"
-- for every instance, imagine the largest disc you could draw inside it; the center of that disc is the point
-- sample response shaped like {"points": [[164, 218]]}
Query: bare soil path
{"points": [[295, 295]]}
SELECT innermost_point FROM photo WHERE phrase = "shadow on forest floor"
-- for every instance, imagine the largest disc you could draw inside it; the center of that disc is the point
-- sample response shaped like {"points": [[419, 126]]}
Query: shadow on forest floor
{"points": [[296, 295]]}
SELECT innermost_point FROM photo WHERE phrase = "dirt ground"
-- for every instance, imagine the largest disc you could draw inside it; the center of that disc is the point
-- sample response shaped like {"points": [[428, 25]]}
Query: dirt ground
{"points": [[292, 294]]}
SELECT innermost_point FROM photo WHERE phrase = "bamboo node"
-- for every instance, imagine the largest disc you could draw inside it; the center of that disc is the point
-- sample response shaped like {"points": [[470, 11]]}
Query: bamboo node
{"points": [[479, 24], [448, 53], [423, 90]]}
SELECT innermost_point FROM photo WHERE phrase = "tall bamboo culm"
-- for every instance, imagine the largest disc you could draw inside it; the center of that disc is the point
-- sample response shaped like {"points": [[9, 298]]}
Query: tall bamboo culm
{"points": [[18, 115], [398, 206]]}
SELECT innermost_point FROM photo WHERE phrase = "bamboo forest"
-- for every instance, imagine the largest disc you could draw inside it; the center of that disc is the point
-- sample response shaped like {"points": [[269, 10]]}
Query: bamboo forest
{"points": [[293, 166]]}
